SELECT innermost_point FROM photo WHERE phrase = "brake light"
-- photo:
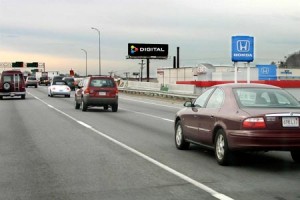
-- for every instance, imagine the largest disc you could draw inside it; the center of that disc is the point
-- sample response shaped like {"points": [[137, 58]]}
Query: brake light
{"points": [[86, 91], [255, 122], [115, 92]]}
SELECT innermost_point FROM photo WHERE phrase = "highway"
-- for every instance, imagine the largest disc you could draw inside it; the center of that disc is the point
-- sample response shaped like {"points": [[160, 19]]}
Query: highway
{"points": [[49, 150]]}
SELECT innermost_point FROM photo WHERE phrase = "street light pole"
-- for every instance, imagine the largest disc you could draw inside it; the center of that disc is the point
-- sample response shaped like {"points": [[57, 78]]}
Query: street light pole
{"points": [[99, 49], [85, 61]]}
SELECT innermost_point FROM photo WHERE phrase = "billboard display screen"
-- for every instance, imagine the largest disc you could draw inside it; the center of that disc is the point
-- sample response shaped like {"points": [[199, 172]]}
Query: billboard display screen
{"points": [[140, 50]]}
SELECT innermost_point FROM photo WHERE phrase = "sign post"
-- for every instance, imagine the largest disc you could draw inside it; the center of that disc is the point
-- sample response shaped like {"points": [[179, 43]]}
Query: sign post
{"points": [[242, 51]]}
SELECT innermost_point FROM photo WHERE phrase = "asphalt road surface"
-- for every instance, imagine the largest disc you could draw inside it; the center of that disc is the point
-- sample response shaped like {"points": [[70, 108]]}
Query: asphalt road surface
{"points": [[49, 150]]}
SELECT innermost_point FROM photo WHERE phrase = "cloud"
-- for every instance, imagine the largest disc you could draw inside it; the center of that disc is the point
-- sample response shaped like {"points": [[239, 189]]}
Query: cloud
{"points": [[203, 29]]}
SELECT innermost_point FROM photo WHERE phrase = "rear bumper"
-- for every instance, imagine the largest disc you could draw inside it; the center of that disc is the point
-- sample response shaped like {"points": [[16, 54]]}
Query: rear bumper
{"points": [[60, 93], [12, 93], [90, 101], [264, 140]]}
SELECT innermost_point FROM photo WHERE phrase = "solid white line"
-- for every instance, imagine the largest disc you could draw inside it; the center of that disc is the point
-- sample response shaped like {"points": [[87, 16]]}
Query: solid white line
{"points": [[84, 124], [203, 187]]}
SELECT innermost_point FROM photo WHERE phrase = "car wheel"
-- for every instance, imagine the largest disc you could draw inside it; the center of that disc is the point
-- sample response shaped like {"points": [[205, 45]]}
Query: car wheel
{"points": [[114, 107], [296, 156], [77, 105], [23, 96], [83, 106], [222, 152], [51, 95], [179, 137], [105, 107], [1, 97]]}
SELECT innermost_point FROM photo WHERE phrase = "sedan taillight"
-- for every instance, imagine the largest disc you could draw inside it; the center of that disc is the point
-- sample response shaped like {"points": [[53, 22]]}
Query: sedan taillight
{"points": [[254, 122]]}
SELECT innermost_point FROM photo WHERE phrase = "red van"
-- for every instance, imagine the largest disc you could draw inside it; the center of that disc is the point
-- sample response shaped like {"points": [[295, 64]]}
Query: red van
{"points": [[12, 84]]}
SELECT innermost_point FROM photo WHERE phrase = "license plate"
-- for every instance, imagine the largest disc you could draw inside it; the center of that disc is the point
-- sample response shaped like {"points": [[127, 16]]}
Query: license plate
{"points": [[290, 121], [102, 93]]}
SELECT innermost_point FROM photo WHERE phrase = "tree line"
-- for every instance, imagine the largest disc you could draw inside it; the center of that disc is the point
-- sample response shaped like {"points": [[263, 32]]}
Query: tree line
{"points": [[291, 61]]}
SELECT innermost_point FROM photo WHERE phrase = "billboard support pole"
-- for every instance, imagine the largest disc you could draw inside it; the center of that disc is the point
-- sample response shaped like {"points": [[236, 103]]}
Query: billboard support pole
{"points": [[235, 72], [148, 69], [248, 72]]}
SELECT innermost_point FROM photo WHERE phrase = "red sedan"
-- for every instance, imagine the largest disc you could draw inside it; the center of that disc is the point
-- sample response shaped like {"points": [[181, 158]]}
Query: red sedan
{"points": [[240, 117]]}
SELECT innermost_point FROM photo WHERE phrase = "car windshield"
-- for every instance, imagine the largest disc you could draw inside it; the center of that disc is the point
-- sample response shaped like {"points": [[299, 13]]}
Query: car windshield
{"points": [[102, 83], [265, 97]]}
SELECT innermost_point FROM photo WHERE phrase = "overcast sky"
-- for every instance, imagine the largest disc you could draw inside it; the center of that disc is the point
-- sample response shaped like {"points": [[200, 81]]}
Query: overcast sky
{"points": [[55, 31]]}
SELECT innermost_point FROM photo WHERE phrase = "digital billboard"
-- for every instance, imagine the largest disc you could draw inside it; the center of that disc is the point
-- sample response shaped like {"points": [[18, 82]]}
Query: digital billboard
{"points": [[141, 50]]}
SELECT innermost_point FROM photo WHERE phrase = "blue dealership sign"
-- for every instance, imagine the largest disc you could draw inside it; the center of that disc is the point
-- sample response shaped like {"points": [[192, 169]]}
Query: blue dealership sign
{"points": [[242, 49], [267, 72]]}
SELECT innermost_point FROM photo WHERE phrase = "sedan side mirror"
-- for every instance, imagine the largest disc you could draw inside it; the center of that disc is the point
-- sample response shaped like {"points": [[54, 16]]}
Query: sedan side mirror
{"points": [[188, 104]]}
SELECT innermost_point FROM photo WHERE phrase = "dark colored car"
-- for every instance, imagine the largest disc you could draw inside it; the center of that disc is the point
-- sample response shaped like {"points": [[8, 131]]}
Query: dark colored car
{"points": [[240, 117], [44, 80], [57, 78], [70, 81], [31, 81], [12, 84], [97, 91]]}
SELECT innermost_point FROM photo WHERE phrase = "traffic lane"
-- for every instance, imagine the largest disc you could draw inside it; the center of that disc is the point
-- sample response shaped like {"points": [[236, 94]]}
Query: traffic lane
{"points": [[246, 179], [68, 161], [165, 108], [147, 137]]}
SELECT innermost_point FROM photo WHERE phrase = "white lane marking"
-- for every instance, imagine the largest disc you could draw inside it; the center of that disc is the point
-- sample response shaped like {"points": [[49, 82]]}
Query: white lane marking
{"points": [[201, 186], [157, 104], [84, 124], [148, 115]]}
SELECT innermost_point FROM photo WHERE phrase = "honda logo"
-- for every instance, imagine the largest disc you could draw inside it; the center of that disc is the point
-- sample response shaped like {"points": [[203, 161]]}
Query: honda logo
{"points": [[243, 45], [264, 70]]}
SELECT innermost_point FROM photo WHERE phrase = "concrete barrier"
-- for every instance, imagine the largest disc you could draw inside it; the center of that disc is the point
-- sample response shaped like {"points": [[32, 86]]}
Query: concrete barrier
{"points": [[155, 89]]}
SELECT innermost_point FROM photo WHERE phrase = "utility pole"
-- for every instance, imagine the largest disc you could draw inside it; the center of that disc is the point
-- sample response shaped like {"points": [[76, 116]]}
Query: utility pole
{"points": [[126, 74], [110, 73], [142, 67]]}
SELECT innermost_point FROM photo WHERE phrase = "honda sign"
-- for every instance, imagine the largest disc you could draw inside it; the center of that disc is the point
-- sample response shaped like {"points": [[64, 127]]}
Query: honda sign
{"points": [[242, 49]]}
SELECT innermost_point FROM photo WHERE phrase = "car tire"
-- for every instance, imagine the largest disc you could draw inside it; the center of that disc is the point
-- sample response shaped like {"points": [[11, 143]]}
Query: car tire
{"points": [[23, 96], [105, 107], [296, 156], [51, 95], [222, 152], [6, 86], [83, 106], [114, 107], [1, 97], [77, 105], [180, 142]]}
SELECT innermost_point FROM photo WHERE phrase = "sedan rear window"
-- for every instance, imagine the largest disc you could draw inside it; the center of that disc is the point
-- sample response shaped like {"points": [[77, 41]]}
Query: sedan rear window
{"points": [[265, 97]]}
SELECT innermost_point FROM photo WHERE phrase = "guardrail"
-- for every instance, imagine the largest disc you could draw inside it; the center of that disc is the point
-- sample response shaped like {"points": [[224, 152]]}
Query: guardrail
{"points": [[185, 92]]}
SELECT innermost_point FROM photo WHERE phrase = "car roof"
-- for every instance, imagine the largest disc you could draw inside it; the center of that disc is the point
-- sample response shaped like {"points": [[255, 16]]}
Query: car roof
{"points": [[12, 72], [100, 77], [246, 85]]}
